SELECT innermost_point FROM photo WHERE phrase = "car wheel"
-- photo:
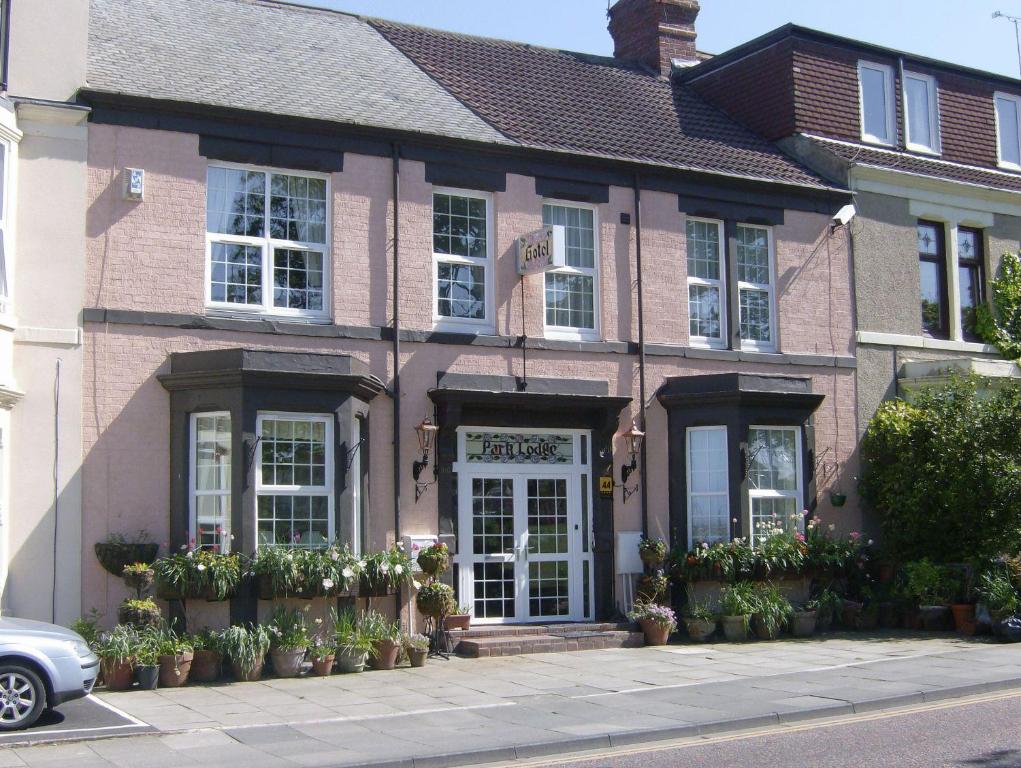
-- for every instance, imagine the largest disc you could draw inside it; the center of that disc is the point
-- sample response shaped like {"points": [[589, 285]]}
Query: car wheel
{"points": [[22, 697]]}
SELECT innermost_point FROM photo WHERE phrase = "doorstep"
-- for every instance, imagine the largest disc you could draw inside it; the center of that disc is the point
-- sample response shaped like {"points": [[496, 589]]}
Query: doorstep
{"points": [[517, 639]]}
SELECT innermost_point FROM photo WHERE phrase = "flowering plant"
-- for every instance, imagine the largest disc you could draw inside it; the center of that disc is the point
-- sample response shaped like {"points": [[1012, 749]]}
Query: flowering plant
{"points": [[659, 614], [781, 550], [389, 569], [287, 629]]}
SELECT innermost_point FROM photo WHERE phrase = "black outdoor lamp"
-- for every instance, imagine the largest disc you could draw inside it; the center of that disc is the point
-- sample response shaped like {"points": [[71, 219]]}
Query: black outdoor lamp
{"points": [[633, 439], [426, 433]]}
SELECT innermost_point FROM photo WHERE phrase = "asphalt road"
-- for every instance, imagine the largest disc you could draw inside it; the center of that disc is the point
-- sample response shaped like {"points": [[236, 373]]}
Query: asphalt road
{"points": [[984, 734]]}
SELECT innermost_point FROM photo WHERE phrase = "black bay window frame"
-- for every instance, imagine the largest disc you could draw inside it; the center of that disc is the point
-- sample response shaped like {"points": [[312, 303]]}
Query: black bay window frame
{"points": [[940, 260], [976, 265]]}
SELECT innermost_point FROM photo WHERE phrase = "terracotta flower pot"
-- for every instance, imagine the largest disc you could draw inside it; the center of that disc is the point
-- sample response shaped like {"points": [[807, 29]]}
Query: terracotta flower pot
{"points": [[205, 666], [735, 628], [287, 663], [384, 655], [964, 618], [655, 633], [803, 623], [248, 674], [699, 630], [457, 621], [348, 662], [174, 669], [118, 674], [323, 667], [417, 656]]}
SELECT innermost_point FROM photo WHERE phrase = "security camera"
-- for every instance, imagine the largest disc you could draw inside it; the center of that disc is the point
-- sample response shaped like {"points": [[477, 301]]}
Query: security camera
{"points": [[843, 216]]}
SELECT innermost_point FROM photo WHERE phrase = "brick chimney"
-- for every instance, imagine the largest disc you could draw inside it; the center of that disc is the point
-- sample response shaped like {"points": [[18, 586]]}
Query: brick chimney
{"points": [[654, 32]]}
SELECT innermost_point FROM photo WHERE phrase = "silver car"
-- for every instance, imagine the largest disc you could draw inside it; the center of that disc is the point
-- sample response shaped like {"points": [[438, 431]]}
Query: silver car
{"points": [[41, 666]]}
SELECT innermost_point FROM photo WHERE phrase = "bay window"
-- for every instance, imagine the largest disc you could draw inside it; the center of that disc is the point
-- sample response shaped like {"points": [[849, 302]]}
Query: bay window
{"points": [[571, 291], [708, 485], [461, 257], [294, 480], [209, 525], [267, 234], [971, 278], [706, 293], [755, 286], [774, 480], [932, 264]]}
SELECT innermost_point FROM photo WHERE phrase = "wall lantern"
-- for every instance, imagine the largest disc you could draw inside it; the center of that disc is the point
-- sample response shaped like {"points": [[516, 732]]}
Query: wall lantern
{"points": [[633, 440], [426, 432]]}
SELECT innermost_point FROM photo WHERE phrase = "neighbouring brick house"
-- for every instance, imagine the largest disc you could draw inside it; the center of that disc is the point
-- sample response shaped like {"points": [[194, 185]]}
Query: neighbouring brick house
{"points": [[248, 297], [932, 153]]}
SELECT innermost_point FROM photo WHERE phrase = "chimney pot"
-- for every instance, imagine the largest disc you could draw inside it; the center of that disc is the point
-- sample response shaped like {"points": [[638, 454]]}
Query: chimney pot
{"points": [[654, 32]]}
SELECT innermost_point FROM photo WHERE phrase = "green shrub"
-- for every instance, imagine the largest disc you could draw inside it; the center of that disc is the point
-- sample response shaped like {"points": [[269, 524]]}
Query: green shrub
{"points": [[944, 472], [1002, 327]]}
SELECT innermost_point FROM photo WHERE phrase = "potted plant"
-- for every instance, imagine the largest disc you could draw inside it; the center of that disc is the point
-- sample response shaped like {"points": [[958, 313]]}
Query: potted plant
{"points": [[434, 560], [175, 656], [116, 650], [276, 573], [963, 606], [288, 640], [460, 619], [138, 576], [737, 604], [829, 609], [385, 571], [927, 584], [652, 551], [657, 622], [803, 619], [117, 551], [651, 587], [417, 648], [436, 600], [353, 645], [999, 595], [139, 612], [772, 611], [322, 652], [246, 646], [386, 639], [147, 667], [699, 620], [207, 660]]}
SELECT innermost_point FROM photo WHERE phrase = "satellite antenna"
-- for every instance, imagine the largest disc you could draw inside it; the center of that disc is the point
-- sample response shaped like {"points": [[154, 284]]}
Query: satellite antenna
{"points": [[1015, 20]]}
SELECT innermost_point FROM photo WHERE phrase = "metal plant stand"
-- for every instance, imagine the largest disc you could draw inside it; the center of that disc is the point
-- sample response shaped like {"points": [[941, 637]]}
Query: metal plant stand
{"points": [[439, 640]]}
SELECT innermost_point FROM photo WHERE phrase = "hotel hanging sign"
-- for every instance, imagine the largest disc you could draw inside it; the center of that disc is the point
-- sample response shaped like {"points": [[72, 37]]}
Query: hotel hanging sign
{"points": [[541, 250], [514, 448]]}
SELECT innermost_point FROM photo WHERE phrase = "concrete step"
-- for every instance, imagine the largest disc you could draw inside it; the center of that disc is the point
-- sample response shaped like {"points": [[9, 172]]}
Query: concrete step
{"points": [[574, 640], [517, 630]]}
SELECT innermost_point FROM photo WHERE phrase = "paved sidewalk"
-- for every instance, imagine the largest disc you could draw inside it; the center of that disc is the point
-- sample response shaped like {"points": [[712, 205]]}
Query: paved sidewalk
{"points": [[463, 711]]}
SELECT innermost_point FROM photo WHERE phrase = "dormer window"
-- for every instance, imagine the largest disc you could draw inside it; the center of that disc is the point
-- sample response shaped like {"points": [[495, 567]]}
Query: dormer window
{"points": [[921, 115], [1008, 134], [875, 83]]}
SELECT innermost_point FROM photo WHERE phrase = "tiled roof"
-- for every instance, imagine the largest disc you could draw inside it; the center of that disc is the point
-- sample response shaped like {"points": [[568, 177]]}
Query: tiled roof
{"points": [[269, 57], [860, 154], [573, 102]]}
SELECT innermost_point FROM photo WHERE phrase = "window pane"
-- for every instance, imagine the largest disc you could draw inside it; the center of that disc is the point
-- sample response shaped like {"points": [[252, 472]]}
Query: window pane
{"points": [[236, 273], [752, 255], [928, 240], [708, 499], [773, 459], [875, 102], [704, 311], [772, 512], [578, 233], [461, 291], [755, 321], [297, 279], [212, 452], [703, 245], [933, 311], [235, 201], [919, 126], [569, 300], [290, 447], [967, 244], [1006, 114], [971, 297], [297, 209], [459, 226]]}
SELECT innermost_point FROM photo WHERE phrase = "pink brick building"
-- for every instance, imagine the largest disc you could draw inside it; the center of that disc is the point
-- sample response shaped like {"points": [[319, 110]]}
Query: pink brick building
{"points": [[240, 373]]}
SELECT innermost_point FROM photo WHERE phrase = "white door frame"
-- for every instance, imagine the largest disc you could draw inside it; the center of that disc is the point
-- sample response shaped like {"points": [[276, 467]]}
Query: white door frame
{"points": [[579, 509]]}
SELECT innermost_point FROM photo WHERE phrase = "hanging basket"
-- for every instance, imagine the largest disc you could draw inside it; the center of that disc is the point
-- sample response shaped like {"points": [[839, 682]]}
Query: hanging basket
{"points": [[113, 556]]}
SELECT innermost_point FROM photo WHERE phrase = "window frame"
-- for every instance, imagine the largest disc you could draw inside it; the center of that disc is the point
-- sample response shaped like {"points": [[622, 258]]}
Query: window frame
{"points": [[687, 473], [268, 244], [329, 489], [567, 332], [978, 263], [193, 491], [720, 284], [798, 494], [751, 345], [932, 93], [890, 102], [6, 235], [941, 261], [462, 324], [1016, 102]]}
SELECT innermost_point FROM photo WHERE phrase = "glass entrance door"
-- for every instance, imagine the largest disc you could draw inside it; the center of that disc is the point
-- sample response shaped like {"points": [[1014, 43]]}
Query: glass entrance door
{"points": [[548, 548]]}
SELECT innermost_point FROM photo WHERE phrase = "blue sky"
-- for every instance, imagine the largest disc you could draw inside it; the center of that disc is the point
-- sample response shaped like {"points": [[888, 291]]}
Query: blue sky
{"points": [[960, 31]]}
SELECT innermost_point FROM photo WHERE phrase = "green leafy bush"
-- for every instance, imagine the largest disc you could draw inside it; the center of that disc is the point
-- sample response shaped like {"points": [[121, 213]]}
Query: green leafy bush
{"points": [[944, 472], [1002, 327]]}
